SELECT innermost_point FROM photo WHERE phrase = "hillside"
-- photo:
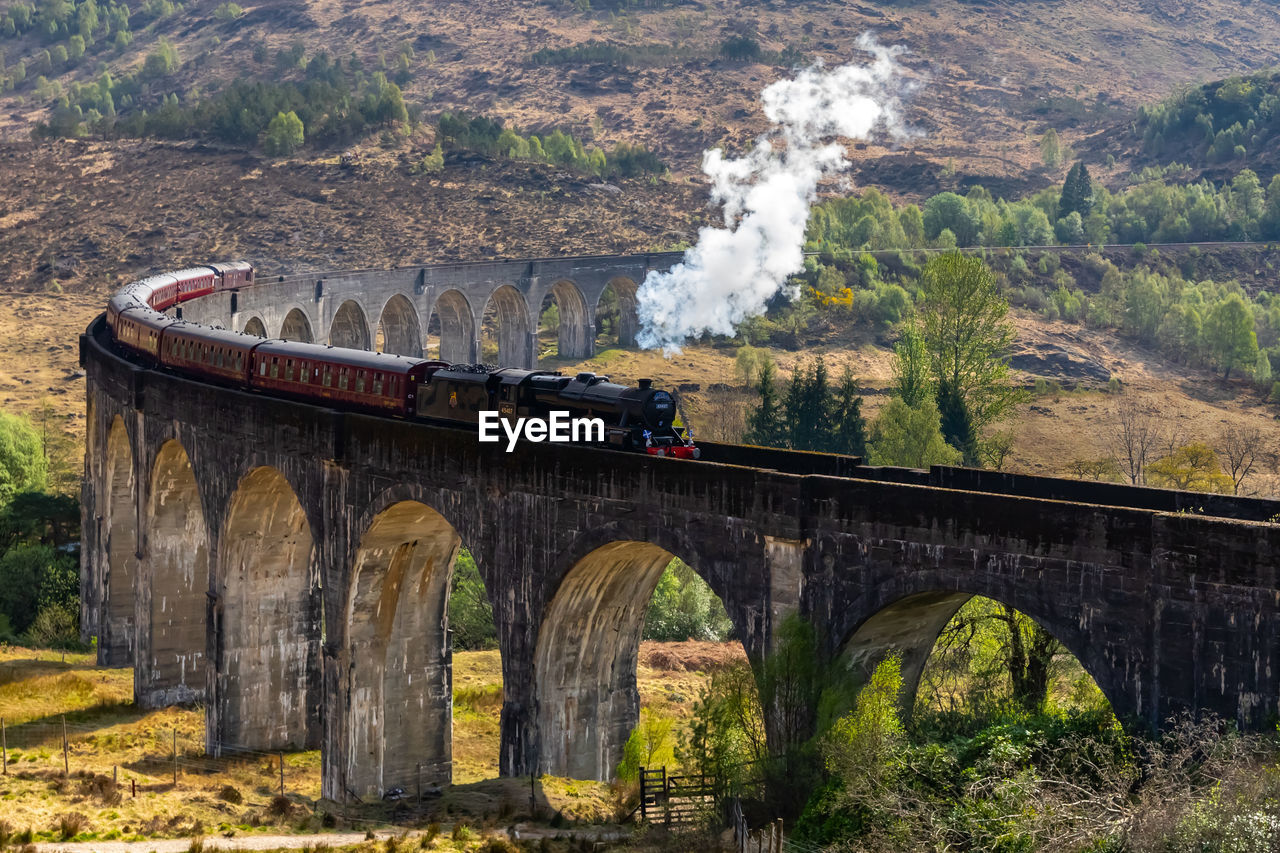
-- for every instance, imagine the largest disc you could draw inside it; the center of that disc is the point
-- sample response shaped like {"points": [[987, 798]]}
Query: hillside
{"points": [[991, 78]]}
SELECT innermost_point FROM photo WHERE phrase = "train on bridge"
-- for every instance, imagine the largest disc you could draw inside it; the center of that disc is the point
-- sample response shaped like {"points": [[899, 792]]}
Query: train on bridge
{"points": [[637, 418]]}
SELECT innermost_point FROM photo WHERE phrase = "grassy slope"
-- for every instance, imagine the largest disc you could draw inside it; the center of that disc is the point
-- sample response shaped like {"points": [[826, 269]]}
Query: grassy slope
{"points": [[107, 732]]}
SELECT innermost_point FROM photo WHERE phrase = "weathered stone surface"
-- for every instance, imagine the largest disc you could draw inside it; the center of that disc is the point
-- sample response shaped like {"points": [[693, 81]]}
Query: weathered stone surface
{"points": [[359, 309], [329, 539]]}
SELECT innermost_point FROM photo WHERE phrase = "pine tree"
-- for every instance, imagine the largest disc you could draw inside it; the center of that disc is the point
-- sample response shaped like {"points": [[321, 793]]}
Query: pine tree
{"points": [[764, 425], [850, 434], [1077, 192]]}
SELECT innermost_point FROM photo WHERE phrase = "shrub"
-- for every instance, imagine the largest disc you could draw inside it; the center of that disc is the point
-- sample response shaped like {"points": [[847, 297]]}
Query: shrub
{"points": [[230, 794], [57, 626], [72, 824]]}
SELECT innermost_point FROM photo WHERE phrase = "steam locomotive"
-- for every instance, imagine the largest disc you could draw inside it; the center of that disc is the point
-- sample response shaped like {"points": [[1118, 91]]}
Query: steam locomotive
{"points": [[637, 418]]}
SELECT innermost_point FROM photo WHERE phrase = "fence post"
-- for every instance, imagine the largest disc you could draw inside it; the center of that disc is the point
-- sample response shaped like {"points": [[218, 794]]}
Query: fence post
{"points": [[4, 745], [418, 773], [66, 766], [175, 757], [282, 774]]}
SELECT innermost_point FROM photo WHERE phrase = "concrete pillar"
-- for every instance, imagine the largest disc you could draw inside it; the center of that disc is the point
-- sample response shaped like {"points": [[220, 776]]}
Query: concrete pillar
{"points": [[587, 700], [171, 601], [393, 674]]}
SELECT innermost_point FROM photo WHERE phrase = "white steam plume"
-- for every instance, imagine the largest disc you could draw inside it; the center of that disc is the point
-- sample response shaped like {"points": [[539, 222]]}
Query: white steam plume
{"points": [[733, 271]]}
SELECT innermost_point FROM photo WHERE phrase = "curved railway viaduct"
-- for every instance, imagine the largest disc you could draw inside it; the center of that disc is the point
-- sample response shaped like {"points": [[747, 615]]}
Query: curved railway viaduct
{"points": [[356, 309], [288, 566]]}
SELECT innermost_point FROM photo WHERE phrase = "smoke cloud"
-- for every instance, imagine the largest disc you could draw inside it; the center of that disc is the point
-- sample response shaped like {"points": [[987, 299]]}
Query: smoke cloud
{"points": [[733, 271]]}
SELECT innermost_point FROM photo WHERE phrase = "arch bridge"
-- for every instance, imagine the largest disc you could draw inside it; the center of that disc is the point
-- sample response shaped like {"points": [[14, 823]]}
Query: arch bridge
{"points": [[288, 566], [446, 309]]}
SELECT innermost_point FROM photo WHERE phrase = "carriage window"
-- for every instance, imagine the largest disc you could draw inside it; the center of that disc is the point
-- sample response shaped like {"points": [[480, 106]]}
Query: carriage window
{"points": [[377, 384], [275, 368], [262, 368], [360, 381], [342, 379], [328, 376], [304, 372]]}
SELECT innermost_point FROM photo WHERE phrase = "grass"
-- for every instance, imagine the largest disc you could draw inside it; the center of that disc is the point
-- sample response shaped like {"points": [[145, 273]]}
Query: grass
{"points": [[115, 749]]}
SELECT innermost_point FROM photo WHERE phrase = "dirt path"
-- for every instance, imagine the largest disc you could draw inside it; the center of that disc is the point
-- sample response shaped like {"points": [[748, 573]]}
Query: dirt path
{"points": [[242, 842], [297, 842]]}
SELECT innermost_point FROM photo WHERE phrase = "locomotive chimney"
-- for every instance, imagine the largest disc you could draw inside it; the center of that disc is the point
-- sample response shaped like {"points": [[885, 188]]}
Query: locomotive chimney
{"points": [[645, 384]]}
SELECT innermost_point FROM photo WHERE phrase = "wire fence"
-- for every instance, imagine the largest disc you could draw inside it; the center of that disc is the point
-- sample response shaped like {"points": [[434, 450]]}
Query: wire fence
{"points": [[133, 757]]}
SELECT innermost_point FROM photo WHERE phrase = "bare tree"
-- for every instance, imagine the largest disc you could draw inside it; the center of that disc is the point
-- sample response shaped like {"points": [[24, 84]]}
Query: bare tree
{"points": [[1242, 451], [1137, 439]]}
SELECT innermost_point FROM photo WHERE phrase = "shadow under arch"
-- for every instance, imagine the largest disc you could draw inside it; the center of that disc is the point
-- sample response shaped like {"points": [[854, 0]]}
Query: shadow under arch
{"points": [[350, 327], [296, 327], [171, 648], [255, 326], [399, 708], [620, 295], [119, 550], [264, 635], [912, 624], [457, 329], [575, 334], [586, 655], [505, 330], [399, 331]]}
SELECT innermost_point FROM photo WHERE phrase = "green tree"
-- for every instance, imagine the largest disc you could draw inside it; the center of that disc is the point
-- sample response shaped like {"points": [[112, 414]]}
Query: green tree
{"points": [[950, 212], [850, 434], [1193, 467], [861, 747], [964, 324], [807, 407], [34, 577], [1077, 192], [1229, 334], [470, 614], [162, 61], [683, 607], [912, 380], [652, 744], [1050, 149], [910, 436], [391, 108], [1262, 370], [23, 466], [764, 425], [285, 134]]}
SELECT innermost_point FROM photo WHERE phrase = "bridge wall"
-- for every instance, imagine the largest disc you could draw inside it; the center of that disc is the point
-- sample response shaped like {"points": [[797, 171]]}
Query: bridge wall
{"points": [[330, 540], [577, 285]]}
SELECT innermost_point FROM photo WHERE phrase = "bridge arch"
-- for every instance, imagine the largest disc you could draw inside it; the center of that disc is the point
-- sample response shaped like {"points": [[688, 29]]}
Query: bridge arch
{"points": [[350, 327], [505, 330], [399, 331], [398, 707], [297, 327], [575, 335], [587, 648], [255, 326], [616, 307], [120, 525], [911, 625], [171, 650], [265, 627], [457, 327]]}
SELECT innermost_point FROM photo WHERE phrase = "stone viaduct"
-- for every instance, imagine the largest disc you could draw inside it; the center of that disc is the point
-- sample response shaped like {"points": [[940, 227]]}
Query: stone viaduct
{"points": [[446, 305], [288, 566]]}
